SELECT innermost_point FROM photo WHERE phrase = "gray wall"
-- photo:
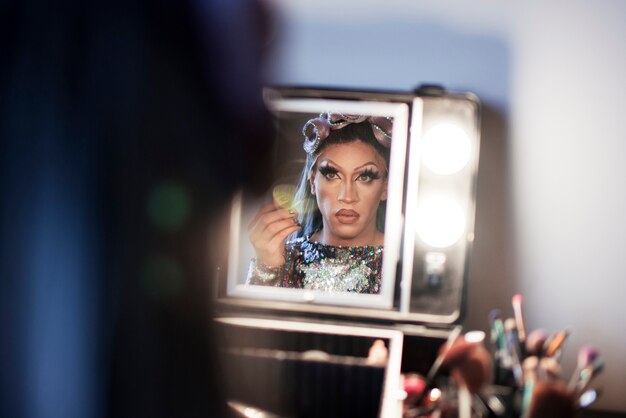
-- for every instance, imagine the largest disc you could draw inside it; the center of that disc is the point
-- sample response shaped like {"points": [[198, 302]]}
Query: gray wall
{"points": [[551, 195]]}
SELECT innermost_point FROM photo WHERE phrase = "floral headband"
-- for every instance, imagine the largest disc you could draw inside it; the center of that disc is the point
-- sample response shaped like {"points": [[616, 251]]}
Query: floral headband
{"points": [[317, 129]]}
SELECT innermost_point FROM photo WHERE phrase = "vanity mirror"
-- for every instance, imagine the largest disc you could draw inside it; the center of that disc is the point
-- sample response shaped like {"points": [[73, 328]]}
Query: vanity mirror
{"points": [[362, 242], [374, 198]]}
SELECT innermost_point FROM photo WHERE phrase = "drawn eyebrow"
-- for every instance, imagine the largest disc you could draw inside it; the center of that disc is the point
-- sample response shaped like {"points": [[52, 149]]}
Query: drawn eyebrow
{"points": [[338, 167], [366, 164]]}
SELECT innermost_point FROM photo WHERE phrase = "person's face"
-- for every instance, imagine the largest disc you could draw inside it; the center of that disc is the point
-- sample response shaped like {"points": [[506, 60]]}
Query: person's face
{"points": [[349, 181]]}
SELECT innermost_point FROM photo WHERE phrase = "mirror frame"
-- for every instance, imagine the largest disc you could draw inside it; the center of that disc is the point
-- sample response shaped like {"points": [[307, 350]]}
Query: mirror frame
{"points": [[396, 306], [393, 225]]}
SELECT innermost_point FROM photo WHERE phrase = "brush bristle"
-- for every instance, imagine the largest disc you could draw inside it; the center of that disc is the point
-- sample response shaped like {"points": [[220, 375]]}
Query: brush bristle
{"points": [[535, 341], [586, 355], [494, 314]]}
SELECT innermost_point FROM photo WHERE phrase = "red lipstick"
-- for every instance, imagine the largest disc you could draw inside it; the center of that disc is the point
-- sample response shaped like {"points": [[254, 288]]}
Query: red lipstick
{"points": [[347, 216]]}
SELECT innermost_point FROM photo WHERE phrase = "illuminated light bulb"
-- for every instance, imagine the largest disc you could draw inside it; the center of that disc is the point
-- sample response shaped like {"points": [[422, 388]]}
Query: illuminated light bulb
{"points": [[440, 222], [446, 149]]}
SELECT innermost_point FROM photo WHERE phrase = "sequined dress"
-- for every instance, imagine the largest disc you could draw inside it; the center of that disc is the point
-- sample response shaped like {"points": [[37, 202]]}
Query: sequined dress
{"points": [[316, 266]]}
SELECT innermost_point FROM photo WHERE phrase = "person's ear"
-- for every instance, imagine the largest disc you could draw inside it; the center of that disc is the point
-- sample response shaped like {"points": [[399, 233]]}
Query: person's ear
{"points": [[312, 182], [383, 196]]}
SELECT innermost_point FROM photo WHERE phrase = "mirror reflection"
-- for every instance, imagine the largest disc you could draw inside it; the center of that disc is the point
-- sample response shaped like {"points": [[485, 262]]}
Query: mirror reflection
{"points": [[324, 228], [327, 232]]}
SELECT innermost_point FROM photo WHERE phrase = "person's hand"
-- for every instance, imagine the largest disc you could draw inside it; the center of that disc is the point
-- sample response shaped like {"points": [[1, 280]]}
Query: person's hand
{"points": [[268, 231]]}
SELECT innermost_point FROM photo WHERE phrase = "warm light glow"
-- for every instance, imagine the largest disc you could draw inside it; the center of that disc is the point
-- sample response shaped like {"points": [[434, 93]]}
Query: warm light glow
{"points": [[446, 149], [440, 221], [475, 336], [435, 263], [434, 395]]}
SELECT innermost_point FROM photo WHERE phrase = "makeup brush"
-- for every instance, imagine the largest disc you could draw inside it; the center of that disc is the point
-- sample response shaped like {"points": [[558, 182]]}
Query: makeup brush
{"points": [[588, 374], [551, 398], [516, 301], [435, 367], [497, 332], [535, 341], [554, 344], [586, 355], [469, 361], [529, 366], [513, 350], [550, 368]]}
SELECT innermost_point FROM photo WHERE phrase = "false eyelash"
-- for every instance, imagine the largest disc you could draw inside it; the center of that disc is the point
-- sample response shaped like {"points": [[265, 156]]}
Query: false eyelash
{"points": [[374, 175], [326, 169]]}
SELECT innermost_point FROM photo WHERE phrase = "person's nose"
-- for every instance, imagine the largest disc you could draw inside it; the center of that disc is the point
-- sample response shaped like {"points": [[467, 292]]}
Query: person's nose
{"points": [[348, 193]]}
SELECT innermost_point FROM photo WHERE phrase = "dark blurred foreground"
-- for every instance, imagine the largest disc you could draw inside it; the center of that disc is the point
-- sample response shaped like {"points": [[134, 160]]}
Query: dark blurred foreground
{"points": [[125, 127]]}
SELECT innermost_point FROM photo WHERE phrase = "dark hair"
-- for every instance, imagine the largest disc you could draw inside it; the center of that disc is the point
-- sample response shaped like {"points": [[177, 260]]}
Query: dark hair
{"points": [[309, 215]]}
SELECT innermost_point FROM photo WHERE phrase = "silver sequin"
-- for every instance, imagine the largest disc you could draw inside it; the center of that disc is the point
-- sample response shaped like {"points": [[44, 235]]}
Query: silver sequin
{"points": [[343, 274]]}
